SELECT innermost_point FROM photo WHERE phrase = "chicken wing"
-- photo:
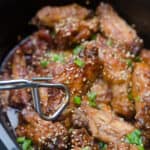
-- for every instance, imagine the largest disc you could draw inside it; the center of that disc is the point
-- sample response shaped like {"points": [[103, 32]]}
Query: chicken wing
{"points": [[49, 16], [103, 125], [115, 28], [141, 94], [44, 134], [117, 68], [73, 31]]}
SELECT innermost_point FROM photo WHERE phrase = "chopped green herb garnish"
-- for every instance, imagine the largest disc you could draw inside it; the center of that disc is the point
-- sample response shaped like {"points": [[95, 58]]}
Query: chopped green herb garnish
{"points": [[137, 98], [137, 59], [130, 96], [102, 146], [58, 58], [140, 147], [109, 42], [44, 63], [78, 49], [20, 140], [77, 100], [86, 148], [79, 62], [92, 97], [26, 144], [135, 138], [129, 62], [53, 33], [94, 36]]}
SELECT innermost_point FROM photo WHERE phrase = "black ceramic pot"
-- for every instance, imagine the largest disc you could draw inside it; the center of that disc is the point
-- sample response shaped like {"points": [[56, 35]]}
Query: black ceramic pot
{"points": [[15, 16]]}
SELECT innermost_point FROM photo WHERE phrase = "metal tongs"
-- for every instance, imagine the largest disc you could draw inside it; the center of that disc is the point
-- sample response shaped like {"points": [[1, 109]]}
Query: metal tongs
{"points": [[34, 85]]}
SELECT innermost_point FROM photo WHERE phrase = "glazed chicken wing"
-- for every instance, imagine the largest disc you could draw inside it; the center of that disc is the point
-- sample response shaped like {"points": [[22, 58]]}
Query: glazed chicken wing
{"points": [[72, 31], [103, 125], [141, 94], [115, 28], [44, 134], [117, 67], [49, 16]]}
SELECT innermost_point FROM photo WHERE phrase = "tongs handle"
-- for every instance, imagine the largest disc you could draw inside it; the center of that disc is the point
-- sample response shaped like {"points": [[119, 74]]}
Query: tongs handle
{"points": [[34, 85]]}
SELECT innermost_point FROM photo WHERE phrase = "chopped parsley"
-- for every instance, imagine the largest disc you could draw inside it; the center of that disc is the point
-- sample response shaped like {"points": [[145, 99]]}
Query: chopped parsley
{"points": [[109, 42], [58, 58], [20, 139], [79, 62], [130, 96], [129, 62], [77, 100], [137, 59], [91, 98], [78, 49], [102, 146], [94, 36], [44, 63], [25, 143], [86, 148], [137, 98], [135, 138]]}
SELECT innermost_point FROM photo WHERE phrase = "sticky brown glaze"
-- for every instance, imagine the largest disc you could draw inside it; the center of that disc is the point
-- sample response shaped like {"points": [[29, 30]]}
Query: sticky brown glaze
{"points": [[80, 139], [118, 75], [141, 93], [104, 125], [113, 59], [44, 134], [49, 16], [73, 31], [114, 27], [79, 79]]}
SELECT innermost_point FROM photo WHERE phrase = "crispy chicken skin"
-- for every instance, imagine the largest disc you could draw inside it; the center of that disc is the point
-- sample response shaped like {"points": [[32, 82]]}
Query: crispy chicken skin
{"points": [[44, 134], [103, 125], [49, 16], [79, 79], [118, 75], [114, 27], [114, 61], [81, 139], [141, 94], [72, 30], [19, 70]]}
